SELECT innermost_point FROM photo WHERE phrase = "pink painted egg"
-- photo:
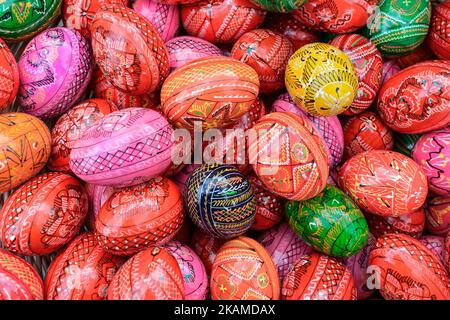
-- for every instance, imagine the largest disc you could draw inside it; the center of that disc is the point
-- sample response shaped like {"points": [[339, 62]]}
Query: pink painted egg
{"points": [[55, 70], [436, 245], [390, 68], [124, 148], [447, 252], [437, 212], [97, 196]]}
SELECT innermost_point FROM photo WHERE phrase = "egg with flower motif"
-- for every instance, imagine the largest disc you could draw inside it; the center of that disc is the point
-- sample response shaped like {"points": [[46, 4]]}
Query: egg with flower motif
{"points": [[438, 36], [437, 212], [9, 76], [411, 224]]}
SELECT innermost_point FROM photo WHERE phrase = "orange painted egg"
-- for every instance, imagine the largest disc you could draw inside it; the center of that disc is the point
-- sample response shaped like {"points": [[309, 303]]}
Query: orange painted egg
{"points": [[82, 271], [439, 35], [243, 270], [25, 145], [411, 224], [43, 214], [206, 247], [9, 76], [437, 212]]}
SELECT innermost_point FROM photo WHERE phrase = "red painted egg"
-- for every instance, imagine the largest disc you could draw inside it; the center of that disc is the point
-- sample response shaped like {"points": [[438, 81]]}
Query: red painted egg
{"points": [[9, 76], [447, 252], [43, 214], [82, 271], [385, 183], [206, 247], [421, 54], [318, 277], [406, 269], [152, 274], [411, 224], [439, 34], [416, 99], [435, 244], [437, 212], [97, 195]]}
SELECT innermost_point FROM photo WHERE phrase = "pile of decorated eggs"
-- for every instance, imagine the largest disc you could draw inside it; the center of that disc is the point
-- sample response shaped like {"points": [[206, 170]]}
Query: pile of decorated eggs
{"points": [[224, 150]]}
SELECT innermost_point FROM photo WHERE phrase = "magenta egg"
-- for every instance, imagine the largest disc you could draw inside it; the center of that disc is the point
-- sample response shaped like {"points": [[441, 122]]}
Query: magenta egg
{"points": [[390, 69], [97, 196]]}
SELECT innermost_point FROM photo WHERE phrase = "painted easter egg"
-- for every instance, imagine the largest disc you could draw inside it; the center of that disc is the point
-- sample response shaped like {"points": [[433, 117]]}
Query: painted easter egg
{"points": [[134, 218], [279, 5], [70, 127], [330, 222], [447, 252], [368, 64], [321, 79], [416, 99], [82, 271], [152, 274], [9, 76], [365, 132], [55, 70], [437, 212], [432, 153], [398, 27], [438, 36], [18, 279], [123, 148], [23, 19], [220, 200], [390, 68], [408, 270], [411, 224], [284, 246], [422, 53], [318, 277], [97, 196], [289, 156], [192, 270], [43, 214], [201, 91], [206, 247], [268, 53], [25, 145], [435, 244], [140, 63], [243, 270], [404, 143]]}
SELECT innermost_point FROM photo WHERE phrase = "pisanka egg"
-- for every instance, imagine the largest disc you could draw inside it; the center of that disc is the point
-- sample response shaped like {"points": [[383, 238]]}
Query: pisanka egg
{"points": [[404, 143], [435, 244], [280, 5], [9, 76], [18, 279], [406, 269], [192, 270], [206, 247], [447, 252], [51, 90], [438, 36], [137, 217], [390, 68], [140, 63], [415, 100], [432, 153], [123, 148], [318, 277], [422, 53], [25, 145], [222, 21], [43, 214], [437, 212], [411, 224], [243, 270], [97, 195], [82, 271], [385, 183], [152, 274], [70, 127]]}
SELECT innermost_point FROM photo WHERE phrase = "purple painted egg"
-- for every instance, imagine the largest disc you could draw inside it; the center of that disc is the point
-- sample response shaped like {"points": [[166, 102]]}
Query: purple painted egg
{"points": [[437, 212], [55, 70], [329, 127], [124, 148], [436, 245], [192, 270]]}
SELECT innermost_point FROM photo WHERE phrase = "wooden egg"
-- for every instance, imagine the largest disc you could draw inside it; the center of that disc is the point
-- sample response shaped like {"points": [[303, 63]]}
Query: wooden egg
{"points": [[206, 247], [435, 244], [438, 36], [437, 212], [97, 195], [411, 224], [9, 76]]}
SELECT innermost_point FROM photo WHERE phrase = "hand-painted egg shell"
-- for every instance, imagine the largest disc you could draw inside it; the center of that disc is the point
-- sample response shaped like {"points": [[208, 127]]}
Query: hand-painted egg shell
{"points": [[78, 14], [201, 91], [289, 156], [447, 252], [137, 217], [43, 214], [55, 70], [18, 279], [23, 19], [244, 270], [123, 148], [206, 247], [25, 145], [97, 196], [129, 50], [152, 274], [422, 53], [70, 127], [432, 153], [9, 76], [220, 200], [399, 27], [390, 69], [411, 224], [221, 21], [330, 222], [404, 143], [318, 277], [279, 5], [321, 79], [192, 270], [368, 64], [437, 212], [82, 271], [284, 246], [438, 36], [406, 269], [416, 99], [365, 132], [335, 16], [385, 183], [435, 244]]}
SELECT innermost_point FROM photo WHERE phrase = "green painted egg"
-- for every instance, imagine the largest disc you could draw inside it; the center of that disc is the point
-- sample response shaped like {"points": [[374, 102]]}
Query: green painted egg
{"points": [[404, 143], [22, 19], [398, 27], [279, 5], [330, 222]]}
